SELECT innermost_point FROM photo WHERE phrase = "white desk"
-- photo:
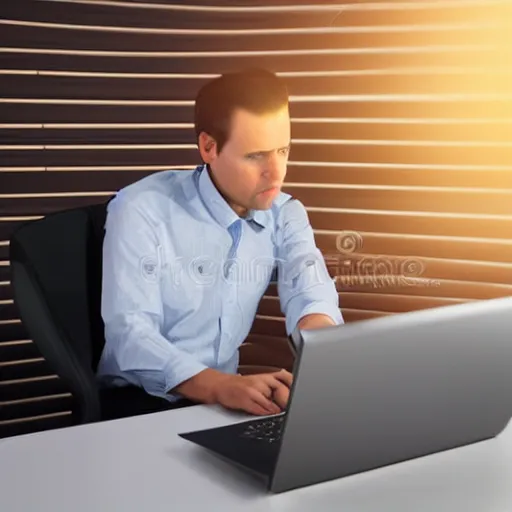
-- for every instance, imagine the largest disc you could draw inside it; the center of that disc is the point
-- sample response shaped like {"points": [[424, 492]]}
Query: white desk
{"points": [[140, 464]]}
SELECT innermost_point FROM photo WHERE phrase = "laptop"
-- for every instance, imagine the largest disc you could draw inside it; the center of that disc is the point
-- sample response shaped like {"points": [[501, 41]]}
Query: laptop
{"points": [[378, 392]]}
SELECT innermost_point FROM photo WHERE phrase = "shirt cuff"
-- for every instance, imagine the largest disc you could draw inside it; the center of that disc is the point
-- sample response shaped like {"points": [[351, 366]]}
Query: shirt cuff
{"points": [[177, 372]]}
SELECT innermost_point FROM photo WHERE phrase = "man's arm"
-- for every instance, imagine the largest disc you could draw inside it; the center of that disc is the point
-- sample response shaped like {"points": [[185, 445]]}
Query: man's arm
{"points": [[307, 293], [315, 321], [132, 307], [202, 387]]}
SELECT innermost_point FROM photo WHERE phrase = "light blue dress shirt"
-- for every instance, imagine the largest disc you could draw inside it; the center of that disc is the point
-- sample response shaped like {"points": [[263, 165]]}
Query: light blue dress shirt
{"points": [[183, 275]]}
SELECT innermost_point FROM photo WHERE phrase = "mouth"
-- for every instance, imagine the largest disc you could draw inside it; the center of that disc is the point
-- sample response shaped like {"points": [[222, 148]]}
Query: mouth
{"points": [[270, 191]]}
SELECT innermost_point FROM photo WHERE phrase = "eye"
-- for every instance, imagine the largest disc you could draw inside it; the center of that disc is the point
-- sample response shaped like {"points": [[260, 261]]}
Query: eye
{"points": [[284, 151]]}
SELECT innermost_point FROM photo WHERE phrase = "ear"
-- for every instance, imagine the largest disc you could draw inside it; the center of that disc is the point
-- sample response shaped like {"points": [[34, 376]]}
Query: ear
{"points": [[207, 147]]}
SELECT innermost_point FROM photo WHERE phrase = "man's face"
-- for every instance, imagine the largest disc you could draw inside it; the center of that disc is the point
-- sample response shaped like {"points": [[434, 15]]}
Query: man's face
{"points": [[250, 169]]}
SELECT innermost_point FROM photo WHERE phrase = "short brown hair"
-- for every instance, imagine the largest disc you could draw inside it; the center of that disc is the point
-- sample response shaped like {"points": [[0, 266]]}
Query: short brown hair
{"points": [[256, 90]]}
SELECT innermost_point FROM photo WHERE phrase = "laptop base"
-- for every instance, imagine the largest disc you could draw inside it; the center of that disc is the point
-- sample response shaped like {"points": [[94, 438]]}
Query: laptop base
{"points": [[253, 444]]}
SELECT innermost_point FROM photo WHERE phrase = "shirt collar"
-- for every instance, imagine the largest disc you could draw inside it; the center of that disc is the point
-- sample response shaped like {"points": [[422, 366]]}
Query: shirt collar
{"points": [[259, 216], [219, 208]]}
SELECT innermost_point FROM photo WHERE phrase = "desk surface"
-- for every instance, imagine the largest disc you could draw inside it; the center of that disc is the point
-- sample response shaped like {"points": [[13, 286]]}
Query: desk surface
{"points": [[140, 464]]}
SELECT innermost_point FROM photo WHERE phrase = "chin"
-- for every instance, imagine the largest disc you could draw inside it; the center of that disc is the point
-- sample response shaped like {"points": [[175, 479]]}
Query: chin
{"points": [[263, 205], [265, 201]]}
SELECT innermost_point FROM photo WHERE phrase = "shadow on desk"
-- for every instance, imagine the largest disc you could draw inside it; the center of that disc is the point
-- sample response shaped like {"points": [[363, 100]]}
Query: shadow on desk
{"points": [[468, 479], [219, 471]]}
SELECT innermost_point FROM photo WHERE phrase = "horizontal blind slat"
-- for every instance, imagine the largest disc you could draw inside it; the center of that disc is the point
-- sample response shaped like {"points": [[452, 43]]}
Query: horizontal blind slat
{"points": [[40, 86], [17, 350], [367, 153], [93, 157], [386, 303], [20, 389], [492, 131], [417, 287], [12, 329], [26, 369], [423, 246], [268, 6], [33, 407], [441, 200], [46, 205], [406, 154], [4, 250], [35, 424], [152, 62], [76, 179], [417, 223], [362, 264], [55, 112], [90, 14], [50, 35], [5, 291], [278, 355], [397, 173]]}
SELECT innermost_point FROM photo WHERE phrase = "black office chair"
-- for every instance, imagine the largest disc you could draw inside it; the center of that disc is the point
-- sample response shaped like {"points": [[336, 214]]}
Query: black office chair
{"points": [[56, 277]]}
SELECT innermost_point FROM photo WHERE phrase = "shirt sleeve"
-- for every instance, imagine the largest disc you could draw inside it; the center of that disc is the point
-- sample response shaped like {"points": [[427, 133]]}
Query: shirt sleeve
{"points": [[132, 306], [304, 284]]}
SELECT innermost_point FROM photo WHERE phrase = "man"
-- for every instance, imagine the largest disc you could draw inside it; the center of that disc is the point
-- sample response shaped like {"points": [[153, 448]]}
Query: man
{"points": [[189, 254]]}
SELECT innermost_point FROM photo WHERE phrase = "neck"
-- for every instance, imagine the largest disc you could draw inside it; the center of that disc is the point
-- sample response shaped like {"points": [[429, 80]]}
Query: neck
{"points": [[239, 210]]}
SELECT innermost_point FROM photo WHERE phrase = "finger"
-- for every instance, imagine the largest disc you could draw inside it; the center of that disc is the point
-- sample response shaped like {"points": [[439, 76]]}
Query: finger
{"points": [[273, 389], [264, 402], [265, 386], [253, 408], [274, 382], [284, 376], [281, 396], [243, 402], [280, 392]]}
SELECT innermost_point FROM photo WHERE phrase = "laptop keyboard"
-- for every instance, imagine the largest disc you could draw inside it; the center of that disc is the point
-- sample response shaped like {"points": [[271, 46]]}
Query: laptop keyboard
{"points": [[267, 430]]}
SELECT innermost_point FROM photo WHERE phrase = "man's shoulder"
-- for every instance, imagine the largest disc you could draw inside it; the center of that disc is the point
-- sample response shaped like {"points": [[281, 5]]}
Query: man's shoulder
{"points": [[155, 191], [161, 183], [286, 205], [281, 200]]}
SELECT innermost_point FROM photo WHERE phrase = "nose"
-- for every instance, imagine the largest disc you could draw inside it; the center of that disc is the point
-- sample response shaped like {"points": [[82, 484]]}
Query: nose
{"points": [[275, 169]]}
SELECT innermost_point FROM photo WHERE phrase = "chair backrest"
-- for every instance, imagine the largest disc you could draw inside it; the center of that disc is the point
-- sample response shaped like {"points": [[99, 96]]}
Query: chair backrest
{"points": [[56, 278]]}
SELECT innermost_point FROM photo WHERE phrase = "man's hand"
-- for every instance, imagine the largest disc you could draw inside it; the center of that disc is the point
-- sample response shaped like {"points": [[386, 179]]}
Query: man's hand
{"points": [[260, 394]]}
